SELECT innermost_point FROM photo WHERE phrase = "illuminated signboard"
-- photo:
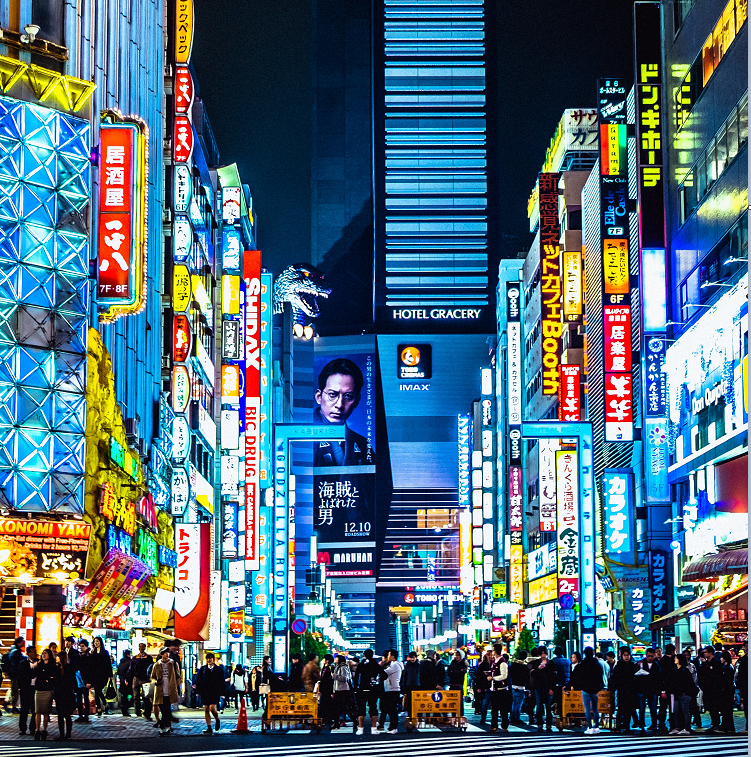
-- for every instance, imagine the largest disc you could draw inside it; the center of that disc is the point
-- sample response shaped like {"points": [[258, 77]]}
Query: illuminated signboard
{"points": [[231, 249], [514, 353], [182, 188], [543, 589], [656, 378], [616, 283], [573, 297], [230, 295], [183, 30], [181, 288], [182, 136], [181, 338], [516, 560], [183, 90], [252, 276], [118, 511], [618, 510], [617, 338], [231, 342], [619, 413], [550, 281], [231, 205], [569, 399], [516, 502], [123, 182], [568, 522], [656, 460], [463, 438], [548, 501], [182, 239], [542, 561], [180, 388], [180, 438], [230, 429], [146, 550], [267, 286], [180, 490], [231, 384], [202, 298], [414, 361], [193, 544]]}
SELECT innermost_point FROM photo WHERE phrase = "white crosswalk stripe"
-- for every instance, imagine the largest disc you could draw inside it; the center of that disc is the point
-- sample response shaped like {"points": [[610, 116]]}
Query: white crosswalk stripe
{"points": [[449, 745]]}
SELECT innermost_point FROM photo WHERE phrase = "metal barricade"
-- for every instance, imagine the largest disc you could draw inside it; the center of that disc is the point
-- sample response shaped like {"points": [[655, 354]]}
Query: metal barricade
{"points": [[286, 710], [438, 708]]}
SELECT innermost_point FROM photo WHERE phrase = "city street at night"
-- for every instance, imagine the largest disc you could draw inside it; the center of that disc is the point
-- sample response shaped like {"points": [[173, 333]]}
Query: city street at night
{"points": [[374, 378]]}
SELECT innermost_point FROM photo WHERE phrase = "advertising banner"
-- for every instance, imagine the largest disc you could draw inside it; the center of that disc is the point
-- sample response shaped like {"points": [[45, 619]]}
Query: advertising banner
{"points": [[656, 405], [344, 472], [114, 584], [569, 399], [618, 510], [660, 583], [657, 457], [567, 492], [193, 544], [252, 276], [515, 499]]}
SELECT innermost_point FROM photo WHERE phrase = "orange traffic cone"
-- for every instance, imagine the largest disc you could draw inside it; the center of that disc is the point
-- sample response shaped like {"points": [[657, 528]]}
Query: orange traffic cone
{"points": [[242, 719]]}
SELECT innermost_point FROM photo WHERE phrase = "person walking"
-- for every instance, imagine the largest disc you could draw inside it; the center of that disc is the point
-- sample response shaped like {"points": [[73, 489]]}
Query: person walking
{"points": [[101, 674], [295, 673], [65, 696], [211, 686], [165, 675], [410, 681], [741, 681], [26, 692], [710, 683], [588, 678], [482, 685], [393, 668], [500, 690], [125, 682], [84, 681], [520, 685], [311, 673], [342, 678], [11, 670], [457, 674], [368, 682], [622, 683], [727, 693], [684, 692], [542, 680], [648, 685], [562, 667], [665, 710], [45, 672], [139, 676], [238, 685], [254, 688], [326, 691]]}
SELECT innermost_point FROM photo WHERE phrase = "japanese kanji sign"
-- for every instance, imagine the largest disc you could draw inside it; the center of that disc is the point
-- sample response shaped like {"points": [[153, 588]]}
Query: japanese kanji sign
{"points": [[573, 298], [569, 398], [656, 378], [193, 543], [515, 499], [182, 139], [183, 30], [618, 513], [567, 475], [617, 338], [619, 413], [548, 502], [660, 582], [550, 282], [183, 90], [121, 217]]}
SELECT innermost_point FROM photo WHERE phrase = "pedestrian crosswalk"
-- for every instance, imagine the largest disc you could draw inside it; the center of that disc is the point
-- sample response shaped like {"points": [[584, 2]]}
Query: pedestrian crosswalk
{"points": [[412, 745]]}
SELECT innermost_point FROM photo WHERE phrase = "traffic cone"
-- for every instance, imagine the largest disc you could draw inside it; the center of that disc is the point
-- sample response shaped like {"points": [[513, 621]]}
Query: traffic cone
{"points": [[242, 719]]}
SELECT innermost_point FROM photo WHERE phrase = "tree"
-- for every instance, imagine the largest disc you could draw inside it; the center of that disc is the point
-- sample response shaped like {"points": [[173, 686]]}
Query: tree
{"points": [[525, 640], [561, 634]]}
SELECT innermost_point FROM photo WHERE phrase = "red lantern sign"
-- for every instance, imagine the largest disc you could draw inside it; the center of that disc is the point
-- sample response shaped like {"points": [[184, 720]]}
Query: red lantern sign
{"points": [[181, 338], [183, 89], [182, 141]]}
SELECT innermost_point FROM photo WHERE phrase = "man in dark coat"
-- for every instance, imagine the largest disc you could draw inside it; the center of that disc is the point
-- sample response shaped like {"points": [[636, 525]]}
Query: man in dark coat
{"points": [[211, 686], [622, 683], [26, 691], [410, 680], [85, 668], [667, 666], [710, 682], [125, 686], [542, 678], [14, 660], [295, 673], [648, 685], [139, 676], [428, 675]]}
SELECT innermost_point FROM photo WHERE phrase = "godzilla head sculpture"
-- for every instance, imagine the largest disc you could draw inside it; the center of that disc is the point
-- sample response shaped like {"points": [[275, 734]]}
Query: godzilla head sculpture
{"points": [[301, 285]]}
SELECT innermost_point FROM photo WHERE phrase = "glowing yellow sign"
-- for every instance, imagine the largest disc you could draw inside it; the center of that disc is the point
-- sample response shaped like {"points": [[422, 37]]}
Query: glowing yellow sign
{"points": [[543, 589], [517, 573], [183, 30], [572, 285], [230, 295], [615, 266], [181, 290]]}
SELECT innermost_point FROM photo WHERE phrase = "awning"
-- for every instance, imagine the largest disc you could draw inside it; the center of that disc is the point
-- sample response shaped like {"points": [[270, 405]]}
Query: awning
{"points": [[700, 604], [710, 567]]}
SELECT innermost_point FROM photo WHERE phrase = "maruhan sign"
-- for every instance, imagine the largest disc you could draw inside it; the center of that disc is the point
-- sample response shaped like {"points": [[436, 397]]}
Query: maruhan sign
{"points": [[436, 314]]}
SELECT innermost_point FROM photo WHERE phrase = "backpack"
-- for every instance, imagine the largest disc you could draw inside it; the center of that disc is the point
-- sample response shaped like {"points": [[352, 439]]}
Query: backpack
{"points": [[5, 663]]}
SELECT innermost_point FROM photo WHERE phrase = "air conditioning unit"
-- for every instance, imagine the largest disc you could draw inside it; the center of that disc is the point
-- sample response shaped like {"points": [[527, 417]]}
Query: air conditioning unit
{"points": [[131, 430]]}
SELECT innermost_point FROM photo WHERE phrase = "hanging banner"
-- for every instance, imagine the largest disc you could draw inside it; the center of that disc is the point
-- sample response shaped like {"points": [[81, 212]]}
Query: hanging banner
{"points": [[567, 493], [618, 510], [193, 544], [252, 280], [548, 500]]}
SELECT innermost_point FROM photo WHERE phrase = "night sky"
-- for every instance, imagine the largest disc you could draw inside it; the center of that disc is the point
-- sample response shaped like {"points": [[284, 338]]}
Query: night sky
{"points": [[252, 60]]}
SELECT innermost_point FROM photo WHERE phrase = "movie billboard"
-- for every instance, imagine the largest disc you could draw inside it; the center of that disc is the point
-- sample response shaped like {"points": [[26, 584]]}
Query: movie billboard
{"points": [[344, 471]]}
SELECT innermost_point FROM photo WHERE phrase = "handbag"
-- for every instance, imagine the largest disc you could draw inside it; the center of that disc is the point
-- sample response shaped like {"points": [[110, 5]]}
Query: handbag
{"points": [[110, 692], [264, 688]]}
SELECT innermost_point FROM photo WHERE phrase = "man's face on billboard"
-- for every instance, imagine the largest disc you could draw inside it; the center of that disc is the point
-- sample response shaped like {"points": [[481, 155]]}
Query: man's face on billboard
{"points": [[338, 398]]}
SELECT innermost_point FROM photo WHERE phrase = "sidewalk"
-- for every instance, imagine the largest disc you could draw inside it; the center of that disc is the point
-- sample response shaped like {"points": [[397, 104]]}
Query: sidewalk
{"points": [[116, 726]]}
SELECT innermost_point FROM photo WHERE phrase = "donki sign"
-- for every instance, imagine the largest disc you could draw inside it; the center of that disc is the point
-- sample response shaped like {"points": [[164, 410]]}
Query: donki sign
{"points": [[252, 276]]}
